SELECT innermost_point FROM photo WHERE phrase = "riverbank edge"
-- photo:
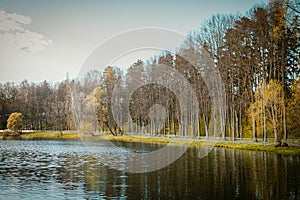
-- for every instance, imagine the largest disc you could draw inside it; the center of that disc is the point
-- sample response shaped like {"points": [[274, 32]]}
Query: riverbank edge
{"points": [[251, 146], [57, 135]]}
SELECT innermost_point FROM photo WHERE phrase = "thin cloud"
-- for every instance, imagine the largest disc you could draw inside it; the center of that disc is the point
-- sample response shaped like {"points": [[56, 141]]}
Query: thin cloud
{"points": [[15, 36]]}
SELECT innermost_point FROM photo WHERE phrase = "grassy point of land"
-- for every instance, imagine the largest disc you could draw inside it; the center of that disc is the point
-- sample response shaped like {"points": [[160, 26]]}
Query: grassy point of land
{"points": [[50, 135], [268, 147]]}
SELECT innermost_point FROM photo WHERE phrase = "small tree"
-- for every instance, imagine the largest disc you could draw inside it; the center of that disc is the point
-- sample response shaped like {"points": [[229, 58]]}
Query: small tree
{"points": [[15, 121]]}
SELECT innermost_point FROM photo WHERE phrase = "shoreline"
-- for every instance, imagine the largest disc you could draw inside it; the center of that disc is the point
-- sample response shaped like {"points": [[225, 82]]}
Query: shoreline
{"points": [[250, 146], [43, 136]]}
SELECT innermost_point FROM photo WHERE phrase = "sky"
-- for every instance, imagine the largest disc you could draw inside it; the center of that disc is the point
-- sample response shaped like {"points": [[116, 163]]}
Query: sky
{"points": [[46, 39]]}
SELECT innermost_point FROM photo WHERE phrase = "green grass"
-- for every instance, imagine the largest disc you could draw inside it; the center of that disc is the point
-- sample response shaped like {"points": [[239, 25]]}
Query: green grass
{"points": [[157, 140], [136, 139], [268, 147], [50, 135]]}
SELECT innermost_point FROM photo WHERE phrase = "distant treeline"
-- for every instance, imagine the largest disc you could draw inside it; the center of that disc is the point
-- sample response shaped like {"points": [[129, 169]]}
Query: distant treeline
{"points": [[257, 55]]}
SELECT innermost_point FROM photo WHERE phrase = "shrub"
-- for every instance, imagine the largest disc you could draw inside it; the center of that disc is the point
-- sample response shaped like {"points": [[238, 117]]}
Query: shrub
{"points": [[15, 121]]}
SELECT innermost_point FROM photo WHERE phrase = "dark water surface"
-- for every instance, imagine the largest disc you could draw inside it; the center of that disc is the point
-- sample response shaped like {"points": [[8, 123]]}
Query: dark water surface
{"points": [[66, 170]]}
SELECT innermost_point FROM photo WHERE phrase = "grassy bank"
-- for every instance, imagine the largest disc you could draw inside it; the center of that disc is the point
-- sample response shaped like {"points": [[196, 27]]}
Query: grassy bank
{"points": [[51, 135], [268, 147]]}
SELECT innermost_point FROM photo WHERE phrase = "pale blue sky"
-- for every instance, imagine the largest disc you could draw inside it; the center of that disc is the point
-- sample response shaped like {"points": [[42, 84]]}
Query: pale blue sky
{"points": [[62, 33]]}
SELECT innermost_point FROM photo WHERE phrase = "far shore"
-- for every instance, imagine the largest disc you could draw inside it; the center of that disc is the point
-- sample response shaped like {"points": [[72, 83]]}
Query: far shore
{"points": [[293, 149], [44, 135]]}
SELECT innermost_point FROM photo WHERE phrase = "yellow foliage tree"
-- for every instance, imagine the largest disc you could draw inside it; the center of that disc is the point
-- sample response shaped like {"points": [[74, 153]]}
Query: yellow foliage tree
{"points": [[15, 121], [294, 111], [270, 99]]}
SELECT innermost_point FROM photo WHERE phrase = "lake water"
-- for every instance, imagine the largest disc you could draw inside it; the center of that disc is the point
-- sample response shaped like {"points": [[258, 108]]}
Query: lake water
{"points": [[67, 170]]}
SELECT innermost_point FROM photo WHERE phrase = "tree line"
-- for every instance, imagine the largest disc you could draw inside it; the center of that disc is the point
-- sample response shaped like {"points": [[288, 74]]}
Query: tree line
{"points": [[44, 106], [256, 54]]}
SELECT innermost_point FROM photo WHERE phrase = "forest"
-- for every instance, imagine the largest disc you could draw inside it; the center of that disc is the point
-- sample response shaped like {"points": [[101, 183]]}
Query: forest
{"points": [[257, 55]]}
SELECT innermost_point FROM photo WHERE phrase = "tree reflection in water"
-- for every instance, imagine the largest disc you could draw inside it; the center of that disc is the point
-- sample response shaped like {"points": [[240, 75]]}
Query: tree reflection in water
{"points": [[223, 174]]}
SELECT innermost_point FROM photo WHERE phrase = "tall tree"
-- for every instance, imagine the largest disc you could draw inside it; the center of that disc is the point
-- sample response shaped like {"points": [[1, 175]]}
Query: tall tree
{"points": [[274, 103]]}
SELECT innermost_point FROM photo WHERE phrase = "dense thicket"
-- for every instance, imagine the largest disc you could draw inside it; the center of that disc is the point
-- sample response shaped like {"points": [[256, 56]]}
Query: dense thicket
{"points": [[257, 56]]}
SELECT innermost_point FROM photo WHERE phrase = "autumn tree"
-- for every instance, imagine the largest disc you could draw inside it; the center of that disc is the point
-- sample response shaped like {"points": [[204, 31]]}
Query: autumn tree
{"points": [[293, 111], [273, 100], [15, 121], [100, 100]]}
